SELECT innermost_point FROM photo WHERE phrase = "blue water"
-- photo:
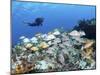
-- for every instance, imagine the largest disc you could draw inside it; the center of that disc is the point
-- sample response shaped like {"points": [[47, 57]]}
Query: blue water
{"points": [[55, 16]]}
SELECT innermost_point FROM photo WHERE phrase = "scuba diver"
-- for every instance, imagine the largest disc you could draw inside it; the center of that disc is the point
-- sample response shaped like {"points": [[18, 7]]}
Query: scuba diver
{"points": [[37, 22]]}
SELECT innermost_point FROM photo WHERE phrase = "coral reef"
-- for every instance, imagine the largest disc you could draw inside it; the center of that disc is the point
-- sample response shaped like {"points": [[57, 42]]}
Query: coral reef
{"points": [[55, 51], [88, 26]]}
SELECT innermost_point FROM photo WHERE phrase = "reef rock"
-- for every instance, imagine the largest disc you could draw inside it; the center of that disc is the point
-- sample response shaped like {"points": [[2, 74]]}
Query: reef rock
{"points": [[55, 51], [43, 45], [34, 40], [26, 40], [50, 37], [76, 33], [56, 32], [42, 65]]}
